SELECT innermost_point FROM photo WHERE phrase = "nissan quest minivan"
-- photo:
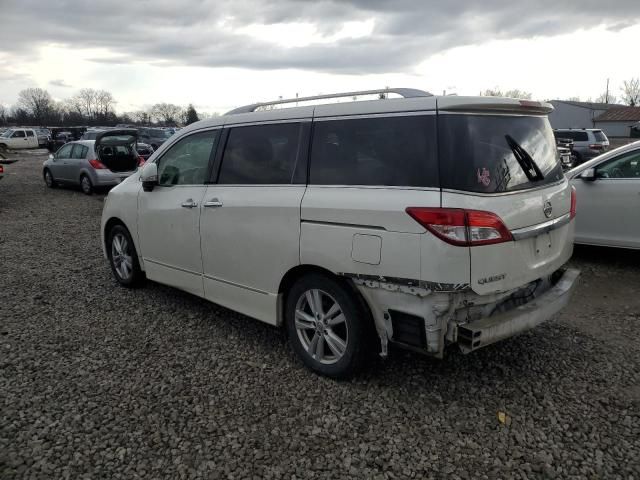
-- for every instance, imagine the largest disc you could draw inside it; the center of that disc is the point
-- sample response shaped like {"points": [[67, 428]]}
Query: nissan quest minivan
{"points": [[420, 221]]}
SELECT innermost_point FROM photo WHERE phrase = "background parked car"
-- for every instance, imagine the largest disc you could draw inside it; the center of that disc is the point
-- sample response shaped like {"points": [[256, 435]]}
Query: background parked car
{"points": [[153, 136], [60, 139], [608, 201], [44, 136], [17, 138], [103, 162], [587, 142], [144, 150]]}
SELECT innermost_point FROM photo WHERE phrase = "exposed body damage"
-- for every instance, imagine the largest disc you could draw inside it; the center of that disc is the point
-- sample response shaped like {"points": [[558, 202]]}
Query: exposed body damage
{"points": [[460, 315]]}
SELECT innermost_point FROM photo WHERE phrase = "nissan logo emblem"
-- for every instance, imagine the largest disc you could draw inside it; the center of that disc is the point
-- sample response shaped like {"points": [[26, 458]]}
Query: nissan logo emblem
{"points": [[547, 209]]}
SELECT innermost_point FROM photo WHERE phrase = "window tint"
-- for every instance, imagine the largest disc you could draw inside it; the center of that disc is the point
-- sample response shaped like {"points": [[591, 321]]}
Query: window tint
{"points": [[389, 151], [65, 151], [18, 134], [79, 151], [261, 154], [492, 153], [600, 136], [624, 166], [30, 133], [187, 161]]}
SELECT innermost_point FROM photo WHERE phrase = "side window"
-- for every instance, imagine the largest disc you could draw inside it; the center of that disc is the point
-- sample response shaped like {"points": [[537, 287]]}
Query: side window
{"points": [[187, 161], [624, 166], [30, 133], [18, 134], [65, 151], [79, 151], [261, 154], [386, 151]]}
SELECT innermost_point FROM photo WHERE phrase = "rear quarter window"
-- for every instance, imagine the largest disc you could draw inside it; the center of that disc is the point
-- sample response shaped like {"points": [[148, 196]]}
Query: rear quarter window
{"points": [[490, 153], [384, 151], [600, 136]]}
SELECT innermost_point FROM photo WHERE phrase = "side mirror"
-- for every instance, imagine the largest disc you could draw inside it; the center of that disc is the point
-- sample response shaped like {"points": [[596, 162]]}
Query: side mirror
{"points": [[149, 176], [589, 174], [51, 157]]}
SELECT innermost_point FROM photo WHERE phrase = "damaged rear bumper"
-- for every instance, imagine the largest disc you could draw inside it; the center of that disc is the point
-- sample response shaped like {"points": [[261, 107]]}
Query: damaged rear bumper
{"points": [[483, 332]]}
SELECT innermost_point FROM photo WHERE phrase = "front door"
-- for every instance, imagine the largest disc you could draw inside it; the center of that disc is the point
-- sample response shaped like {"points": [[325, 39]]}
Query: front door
{"points": [[169, 215], [250, 223], [607, 204], [60, 162]]}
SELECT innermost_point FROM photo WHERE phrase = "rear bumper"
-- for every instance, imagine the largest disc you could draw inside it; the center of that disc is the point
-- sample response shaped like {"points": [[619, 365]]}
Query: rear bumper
{"points": [[104, 178], [486, 331]]}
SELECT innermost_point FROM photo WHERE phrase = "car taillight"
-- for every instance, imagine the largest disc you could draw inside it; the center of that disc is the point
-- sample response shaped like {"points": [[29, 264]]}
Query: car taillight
{"points": [[1, 169], [141, 161], [596, 146], [572, 213], [97, 164], [465, 228]]}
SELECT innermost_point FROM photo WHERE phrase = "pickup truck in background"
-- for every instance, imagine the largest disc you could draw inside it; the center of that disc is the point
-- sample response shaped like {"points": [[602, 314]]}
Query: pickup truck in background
{"points": [[18, 138]]}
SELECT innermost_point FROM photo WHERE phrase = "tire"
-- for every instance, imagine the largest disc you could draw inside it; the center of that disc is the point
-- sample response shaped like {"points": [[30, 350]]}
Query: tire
{"points": [[48, 178], [577, 159], [123, 257], [334, 343], [3, 147], [86, 185]]}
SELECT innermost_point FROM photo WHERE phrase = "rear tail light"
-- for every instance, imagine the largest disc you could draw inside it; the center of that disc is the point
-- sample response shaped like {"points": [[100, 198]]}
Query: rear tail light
{"points": [[97, 164], [465, 228], [572, 213], [141, 161], [1, 169], [596, 146]]}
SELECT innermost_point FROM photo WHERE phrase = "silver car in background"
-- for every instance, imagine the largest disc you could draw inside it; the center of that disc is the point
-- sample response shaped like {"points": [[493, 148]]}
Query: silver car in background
{"points": [[103, 162], [608, 196]]}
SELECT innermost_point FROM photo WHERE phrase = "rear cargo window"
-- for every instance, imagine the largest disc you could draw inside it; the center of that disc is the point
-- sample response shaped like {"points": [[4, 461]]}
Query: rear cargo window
{"points": [[493, 153], [600, 136], [385, 151]]}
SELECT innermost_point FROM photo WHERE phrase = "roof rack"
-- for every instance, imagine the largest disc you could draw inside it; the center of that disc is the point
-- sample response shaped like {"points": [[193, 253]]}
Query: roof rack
{"points": [[404, 92]]}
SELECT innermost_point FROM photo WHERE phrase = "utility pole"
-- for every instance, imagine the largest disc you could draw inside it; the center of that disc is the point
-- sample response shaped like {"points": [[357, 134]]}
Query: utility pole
{"points": [[606, 95]]}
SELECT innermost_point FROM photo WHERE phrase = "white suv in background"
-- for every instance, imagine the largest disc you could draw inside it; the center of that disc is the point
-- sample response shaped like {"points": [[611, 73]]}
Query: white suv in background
{"points": [[422, 221]]}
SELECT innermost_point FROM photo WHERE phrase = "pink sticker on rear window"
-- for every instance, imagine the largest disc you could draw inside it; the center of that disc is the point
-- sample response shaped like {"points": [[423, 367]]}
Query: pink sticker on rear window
{"points": [[484, 177]]}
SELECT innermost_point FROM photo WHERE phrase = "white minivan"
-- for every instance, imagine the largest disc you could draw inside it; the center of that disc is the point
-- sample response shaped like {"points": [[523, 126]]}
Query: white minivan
{"points": [[420, 221]]}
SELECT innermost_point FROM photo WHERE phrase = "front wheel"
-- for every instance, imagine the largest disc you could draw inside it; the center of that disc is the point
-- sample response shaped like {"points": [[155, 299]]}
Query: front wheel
{"points": [[327, 326], [123, 257], [48, 179]]}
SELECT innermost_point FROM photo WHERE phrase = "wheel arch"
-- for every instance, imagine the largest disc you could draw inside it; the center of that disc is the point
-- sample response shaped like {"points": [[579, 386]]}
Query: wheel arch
{"points": [[297, 272], [108, 225]]}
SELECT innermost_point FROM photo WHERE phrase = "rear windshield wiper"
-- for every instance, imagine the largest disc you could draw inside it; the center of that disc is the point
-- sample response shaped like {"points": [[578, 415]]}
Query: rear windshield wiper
{"points": [[528, 164]]}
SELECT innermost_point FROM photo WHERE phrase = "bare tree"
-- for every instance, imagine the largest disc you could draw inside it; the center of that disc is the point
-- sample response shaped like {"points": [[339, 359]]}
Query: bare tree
{"points": [[606, 97], [167, 113], [36, 102], [513, 93], [141, 116], [631, 92], [3, 114], [105, 103]]}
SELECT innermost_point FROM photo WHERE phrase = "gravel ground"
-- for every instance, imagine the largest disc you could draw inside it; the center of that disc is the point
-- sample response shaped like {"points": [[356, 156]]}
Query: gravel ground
{"points": [[100, 382]]}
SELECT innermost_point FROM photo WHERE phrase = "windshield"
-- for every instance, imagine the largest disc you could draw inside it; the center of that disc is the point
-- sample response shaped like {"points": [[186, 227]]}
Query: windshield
{"points": [[496, 153], [6, 134]]}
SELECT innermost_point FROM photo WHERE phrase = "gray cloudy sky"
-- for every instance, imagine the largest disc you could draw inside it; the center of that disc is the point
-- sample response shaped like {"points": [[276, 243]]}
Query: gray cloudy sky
{"points": [[220, 53]]}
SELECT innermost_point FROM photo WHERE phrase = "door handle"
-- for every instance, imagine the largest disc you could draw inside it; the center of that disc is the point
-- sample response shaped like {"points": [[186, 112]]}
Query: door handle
{"points": [[189, 204], [214, 202]]}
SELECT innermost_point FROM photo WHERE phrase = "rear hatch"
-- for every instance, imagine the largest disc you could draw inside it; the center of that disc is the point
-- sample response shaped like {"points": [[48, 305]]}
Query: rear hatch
{"points": [[500, 156], [116, 149]]}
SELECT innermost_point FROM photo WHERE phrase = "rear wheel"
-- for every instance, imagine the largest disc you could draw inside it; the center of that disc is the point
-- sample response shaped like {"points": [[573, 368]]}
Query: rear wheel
{"points": [[327, 326], [86, 185], [123, 257], [48, 179]]}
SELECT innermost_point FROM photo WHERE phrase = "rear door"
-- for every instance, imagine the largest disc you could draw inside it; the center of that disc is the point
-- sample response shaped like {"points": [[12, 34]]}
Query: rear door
{"points": [[32, 139], [605, 203], [250, 224], [60, 162], [76, 161], [507, 164]]}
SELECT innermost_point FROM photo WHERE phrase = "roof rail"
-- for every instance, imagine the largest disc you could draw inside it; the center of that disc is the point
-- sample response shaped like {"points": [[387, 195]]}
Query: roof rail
{"points": [[404, 92]]}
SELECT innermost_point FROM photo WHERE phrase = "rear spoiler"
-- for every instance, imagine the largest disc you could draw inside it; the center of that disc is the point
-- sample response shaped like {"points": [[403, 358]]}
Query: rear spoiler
{"points": [[493, 105]]}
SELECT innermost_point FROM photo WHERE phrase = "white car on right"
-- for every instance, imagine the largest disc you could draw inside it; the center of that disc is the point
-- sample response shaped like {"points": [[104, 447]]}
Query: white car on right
{"points": [[608, 195]]}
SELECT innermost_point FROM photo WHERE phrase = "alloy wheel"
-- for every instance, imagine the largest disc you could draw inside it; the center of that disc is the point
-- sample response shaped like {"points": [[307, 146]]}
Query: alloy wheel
{"points": [[121, 256], [321, 326]]}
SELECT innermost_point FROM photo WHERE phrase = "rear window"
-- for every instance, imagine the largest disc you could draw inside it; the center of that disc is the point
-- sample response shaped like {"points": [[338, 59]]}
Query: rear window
{"points": [[385, 151], [600, 136], [492, 154]]}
